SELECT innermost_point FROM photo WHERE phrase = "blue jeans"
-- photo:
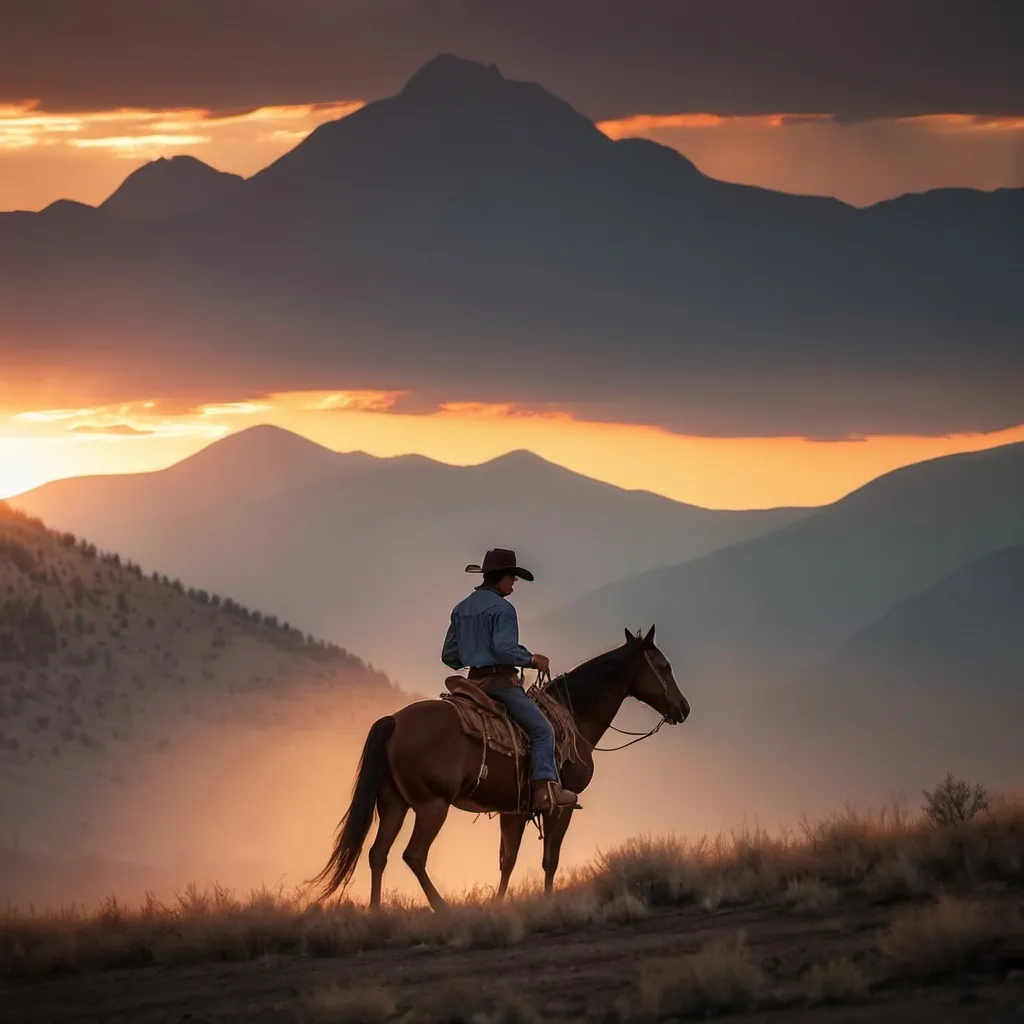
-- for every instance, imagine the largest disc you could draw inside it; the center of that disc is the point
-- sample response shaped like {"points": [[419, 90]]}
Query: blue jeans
{"points": [[542, 737]]}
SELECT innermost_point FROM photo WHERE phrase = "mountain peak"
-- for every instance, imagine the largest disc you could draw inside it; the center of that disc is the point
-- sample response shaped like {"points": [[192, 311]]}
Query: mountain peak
{"points": [[265, 441], [448, 88], [447, 73], [169, 186]]}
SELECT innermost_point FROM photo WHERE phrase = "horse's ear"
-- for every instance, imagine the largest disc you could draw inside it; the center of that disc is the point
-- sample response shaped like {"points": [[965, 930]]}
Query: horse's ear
{"points": [[649, 639]]}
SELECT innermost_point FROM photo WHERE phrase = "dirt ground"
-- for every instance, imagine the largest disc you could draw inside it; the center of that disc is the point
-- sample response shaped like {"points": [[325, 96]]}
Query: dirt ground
{"points": [[565, 977]]}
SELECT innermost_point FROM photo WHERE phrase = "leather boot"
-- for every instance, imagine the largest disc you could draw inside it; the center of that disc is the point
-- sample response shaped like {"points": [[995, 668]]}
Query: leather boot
{"points": [[549, 796]]}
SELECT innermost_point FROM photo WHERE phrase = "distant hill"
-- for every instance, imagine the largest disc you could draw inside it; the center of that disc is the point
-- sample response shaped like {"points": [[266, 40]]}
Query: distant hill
{"points": [[476, 238], [774, 607], [153, 734], [170, 186], [98, 658], [963, 636], [374, 549]]}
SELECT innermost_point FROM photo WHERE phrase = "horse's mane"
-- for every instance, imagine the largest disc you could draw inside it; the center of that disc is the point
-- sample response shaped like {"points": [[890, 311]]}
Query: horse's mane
{"points": [[579, 685]]}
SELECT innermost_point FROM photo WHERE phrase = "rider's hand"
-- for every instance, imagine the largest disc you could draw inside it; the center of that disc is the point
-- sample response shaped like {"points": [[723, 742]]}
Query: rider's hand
{"points": [[540, 662]]}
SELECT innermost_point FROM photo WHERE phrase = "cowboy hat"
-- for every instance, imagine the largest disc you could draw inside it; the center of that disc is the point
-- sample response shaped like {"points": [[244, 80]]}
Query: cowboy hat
{"points": [[498, 559]]}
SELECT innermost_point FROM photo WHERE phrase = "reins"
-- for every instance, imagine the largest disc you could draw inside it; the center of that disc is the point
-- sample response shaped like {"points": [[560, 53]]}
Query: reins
{"points": [[639, 736]]}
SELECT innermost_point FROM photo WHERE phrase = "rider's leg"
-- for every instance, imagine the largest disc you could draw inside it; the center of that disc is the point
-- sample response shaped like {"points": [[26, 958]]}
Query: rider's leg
{"points": [[547, 791], [542, 737]]}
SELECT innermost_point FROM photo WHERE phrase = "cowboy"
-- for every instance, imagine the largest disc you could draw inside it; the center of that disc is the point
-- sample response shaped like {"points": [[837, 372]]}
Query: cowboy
{"points": [[484, 637]]}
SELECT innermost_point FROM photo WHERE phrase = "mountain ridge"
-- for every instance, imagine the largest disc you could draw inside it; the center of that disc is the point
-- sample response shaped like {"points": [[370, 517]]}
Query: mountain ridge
{"points": [[387, 247], [771, 607], [960, 635], [333, 547]]}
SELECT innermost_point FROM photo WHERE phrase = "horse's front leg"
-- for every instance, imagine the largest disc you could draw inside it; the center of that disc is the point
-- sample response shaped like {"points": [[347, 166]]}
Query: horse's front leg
{"points": [[512, 827], [556, 823]]}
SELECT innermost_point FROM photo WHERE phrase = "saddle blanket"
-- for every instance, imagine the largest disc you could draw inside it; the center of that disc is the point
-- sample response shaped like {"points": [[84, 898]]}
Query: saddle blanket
{"points": [[486, 719]]}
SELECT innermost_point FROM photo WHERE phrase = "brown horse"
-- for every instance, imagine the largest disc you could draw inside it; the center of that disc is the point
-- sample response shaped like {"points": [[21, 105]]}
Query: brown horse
{"points": [[419, 758]]}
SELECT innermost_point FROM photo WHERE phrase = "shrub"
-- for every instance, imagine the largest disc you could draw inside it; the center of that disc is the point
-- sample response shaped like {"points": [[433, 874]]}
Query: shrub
{"points": [[953, 801]]}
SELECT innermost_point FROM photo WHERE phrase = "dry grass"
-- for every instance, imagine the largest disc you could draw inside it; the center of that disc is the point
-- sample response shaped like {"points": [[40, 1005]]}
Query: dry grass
{"points": [[847, 858], [472, 1003], [947, 936], [333, 1004], [838, 981], [721, 977], [457, 1003], [884, 857], [217, 926], [811, 894]]}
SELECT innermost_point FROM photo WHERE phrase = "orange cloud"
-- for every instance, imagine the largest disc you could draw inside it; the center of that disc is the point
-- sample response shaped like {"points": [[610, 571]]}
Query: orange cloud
{"points": [[641, 124], [963, 122], [113, 430], [40, 445]]}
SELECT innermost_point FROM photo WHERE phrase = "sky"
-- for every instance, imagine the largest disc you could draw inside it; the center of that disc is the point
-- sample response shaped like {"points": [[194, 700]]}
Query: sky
{"points": [[862, 102]]}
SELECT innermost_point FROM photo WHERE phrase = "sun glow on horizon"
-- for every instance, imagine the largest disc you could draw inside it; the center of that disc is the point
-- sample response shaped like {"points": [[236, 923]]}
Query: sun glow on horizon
{"points": [[41, 445]]}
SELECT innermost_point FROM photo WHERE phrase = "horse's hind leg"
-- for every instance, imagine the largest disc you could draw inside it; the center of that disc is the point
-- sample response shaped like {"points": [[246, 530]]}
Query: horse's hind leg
{"points": [[430, 816], [512, 826], [391, 811]]}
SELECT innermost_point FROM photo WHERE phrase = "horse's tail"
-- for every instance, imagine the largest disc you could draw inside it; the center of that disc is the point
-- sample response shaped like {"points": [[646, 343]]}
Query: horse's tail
{"points": [[353, 828]]}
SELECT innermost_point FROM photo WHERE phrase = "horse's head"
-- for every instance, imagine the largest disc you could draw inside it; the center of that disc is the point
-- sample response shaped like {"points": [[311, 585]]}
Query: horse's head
{"points": [[651, 678]]}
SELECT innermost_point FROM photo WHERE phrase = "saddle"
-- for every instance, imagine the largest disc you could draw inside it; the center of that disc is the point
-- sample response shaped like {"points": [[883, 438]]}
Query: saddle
{"points": [[486, 719]]}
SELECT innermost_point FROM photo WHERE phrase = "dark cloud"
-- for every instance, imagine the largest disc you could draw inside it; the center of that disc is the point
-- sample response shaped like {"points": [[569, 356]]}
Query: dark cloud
{"points": [[610, 59]]}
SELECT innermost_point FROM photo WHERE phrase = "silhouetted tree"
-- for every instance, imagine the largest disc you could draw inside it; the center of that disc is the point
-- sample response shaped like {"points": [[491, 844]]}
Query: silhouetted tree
{"points": [[954, 801]]}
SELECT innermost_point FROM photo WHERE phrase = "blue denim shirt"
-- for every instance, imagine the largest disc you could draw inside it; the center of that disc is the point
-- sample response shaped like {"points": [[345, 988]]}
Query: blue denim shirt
{"points": [[484, 631]]}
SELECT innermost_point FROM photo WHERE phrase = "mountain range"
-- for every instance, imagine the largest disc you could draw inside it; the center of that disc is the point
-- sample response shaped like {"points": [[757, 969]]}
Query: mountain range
{"points": [[370, 551], [476, 238], [771, 609]]}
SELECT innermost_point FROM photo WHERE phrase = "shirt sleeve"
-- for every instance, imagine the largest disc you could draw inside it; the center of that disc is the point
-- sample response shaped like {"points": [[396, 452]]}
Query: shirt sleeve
{"points": [[450, 650], [506, 637]]}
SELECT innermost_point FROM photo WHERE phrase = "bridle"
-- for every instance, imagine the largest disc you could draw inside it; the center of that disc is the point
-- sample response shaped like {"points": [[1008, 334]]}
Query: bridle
{"points": [[658, 674]]}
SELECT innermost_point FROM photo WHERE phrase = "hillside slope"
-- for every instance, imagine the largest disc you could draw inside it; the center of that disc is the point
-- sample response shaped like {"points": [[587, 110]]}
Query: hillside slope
{"points": [[965, 636], [97, 657]]}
